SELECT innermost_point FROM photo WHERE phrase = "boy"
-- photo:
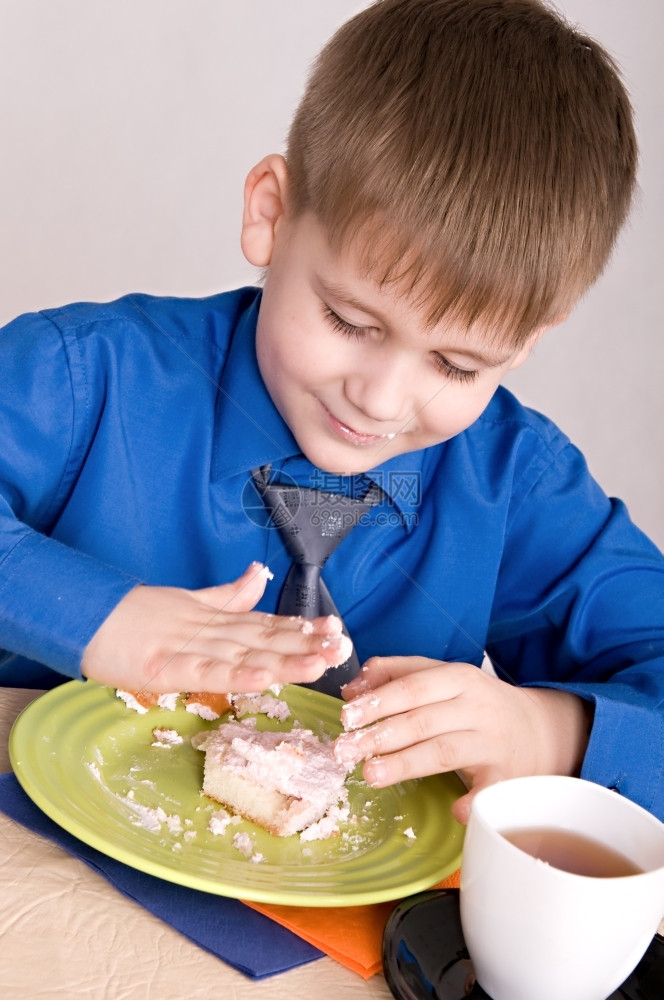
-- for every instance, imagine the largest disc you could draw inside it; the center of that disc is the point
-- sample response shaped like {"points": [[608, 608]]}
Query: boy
{"points": [[455, 179]]}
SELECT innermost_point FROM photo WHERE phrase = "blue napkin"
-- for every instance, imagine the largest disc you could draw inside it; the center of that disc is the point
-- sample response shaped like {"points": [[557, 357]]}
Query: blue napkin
{"points": [[238, 935]]}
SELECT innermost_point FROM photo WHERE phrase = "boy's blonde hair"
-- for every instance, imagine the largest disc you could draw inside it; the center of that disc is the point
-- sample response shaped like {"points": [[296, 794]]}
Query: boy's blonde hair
{"points": [[481, 153]]}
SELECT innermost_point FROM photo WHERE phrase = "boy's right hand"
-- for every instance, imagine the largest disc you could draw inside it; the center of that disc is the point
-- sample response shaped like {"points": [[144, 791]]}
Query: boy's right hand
{"points": [[168, 639]]}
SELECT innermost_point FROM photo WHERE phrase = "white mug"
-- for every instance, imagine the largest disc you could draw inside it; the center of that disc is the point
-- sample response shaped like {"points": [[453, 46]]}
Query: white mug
{"points": [[535, 932]]}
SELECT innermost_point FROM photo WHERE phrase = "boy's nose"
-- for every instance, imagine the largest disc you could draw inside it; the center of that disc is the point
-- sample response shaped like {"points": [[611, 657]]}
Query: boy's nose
{"points": [[381, 391]]}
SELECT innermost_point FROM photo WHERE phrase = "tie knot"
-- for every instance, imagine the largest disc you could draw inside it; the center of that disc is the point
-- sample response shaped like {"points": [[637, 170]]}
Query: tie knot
{"points": [[311, 523]]}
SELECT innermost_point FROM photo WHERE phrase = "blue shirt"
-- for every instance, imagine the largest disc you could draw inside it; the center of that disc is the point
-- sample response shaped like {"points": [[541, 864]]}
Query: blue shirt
{"points": [[127, 436]]}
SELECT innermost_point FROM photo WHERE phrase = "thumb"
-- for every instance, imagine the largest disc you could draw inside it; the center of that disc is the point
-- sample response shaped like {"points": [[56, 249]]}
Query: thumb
{"points": [[461, 808], [241, 594], [475, 781]]}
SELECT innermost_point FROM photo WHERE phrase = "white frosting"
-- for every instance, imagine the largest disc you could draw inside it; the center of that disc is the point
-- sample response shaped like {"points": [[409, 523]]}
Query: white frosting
{"points": [[260, 704], [130, 701], [328, 826], [204, 711], [243, 843], [221, 820], [345, 648], [168, 701], [166, 738]]}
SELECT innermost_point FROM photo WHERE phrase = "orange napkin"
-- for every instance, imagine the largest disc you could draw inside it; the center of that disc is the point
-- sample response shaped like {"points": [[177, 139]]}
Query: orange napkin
{"points": [[353, 935]]}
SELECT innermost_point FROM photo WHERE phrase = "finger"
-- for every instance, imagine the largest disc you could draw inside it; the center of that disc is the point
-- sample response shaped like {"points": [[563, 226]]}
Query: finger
{"points": [[438, 682], [330, 652], [461, 808], [241, 594], [187, 671], [240, 671], [232, 637], [217, 661], [328, 626], [252, 674], [398, 732], [372, 675], [448, 752], [380, 670], [482, 779]]}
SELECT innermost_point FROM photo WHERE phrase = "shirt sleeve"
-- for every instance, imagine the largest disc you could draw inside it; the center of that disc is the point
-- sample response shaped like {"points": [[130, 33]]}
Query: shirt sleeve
{"points": [[580, 606], [52, 598]]}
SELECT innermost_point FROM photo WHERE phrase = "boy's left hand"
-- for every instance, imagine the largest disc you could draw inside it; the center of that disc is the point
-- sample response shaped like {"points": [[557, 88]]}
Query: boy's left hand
{"points": [[426, 717]]}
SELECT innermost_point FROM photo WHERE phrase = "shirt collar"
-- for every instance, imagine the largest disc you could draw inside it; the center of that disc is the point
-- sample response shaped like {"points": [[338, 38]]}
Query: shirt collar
{"points": [[249, 429], [402, 479], [251, 432]]}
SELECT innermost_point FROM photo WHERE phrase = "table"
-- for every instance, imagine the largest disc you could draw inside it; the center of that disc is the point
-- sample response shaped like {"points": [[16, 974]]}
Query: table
{"points": [[66, 933]]}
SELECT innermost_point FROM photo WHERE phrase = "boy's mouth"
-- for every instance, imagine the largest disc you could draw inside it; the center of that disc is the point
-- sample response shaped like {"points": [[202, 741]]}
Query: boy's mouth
{"points": [[354, 437]]}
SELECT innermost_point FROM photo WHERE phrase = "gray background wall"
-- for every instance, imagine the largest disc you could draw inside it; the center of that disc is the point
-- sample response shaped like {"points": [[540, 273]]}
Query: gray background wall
{"points": [[127, 129]]}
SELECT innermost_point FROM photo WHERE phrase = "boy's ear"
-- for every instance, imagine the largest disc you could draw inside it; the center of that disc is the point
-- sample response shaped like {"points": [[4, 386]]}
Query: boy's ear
{"points": [[264, 204]]}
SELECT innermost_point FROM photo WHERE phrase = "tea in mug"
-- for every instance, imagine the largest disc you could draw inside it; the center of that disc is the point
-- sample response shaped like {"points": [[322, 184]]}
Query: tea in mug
{"points": [[572, 852]]}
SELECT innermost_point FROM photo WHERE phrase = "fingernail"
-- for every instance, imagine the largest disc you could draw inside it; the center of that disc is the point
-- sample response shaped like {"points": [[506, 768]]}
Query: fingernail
{"points": [[259, 572], [358, 686], [346, 751], [331, 642], [341, 646], [333, 625], [352, 716], [375, 773]]}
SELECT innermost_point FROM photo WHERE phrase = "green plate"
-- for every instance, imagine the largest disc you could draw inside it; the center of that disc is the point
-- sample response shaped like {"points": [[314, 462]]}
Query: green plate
{"points": [[88, 762]]}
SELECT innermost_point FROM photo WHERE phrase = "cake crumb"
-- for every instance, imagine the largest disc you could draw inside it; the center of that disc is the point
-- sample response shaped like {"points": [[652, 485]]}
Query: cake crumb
{"points": [[168, 701], [327, 826], [221, 820], [166, 738], [94, 770], [243, 843], [131, 701], [260, 704], [152, 819]]}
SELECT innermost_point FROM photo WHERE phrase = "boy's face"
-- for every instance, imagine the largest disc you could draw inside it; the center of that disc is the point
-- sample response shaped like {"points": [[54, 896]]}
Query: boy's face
{"points": [[353, 368]]}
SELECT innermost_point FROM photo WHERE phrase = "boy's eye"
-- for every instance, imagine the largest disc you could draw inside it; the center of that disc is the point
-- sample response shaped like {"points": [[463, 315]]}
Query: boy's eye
{"points": [[458, 374], [342, 326]]}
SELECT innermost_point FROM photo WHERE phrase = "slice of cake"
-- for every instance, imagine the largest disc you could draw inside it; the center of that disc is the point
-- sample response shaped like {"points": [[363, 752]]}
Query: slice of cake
{"points": [[285, 782]]}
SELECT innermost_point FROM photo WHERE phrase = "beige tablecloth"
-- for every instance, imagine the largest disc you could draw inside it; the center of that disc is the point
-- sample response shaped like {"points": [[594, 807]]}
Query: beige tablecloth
{"points": [[66, 933]]}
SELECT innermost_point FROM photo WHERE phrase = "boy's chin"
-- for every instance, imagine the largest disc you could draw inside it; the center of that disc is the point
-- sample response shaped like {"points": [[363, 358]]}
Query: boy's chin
{"points": [[345, 465]]}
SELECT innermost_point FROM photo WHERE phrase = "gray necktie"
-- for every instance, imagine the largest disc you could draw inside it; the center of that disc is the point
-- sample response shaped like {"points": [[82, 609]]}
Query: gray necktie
{"points": [[311, 523]]}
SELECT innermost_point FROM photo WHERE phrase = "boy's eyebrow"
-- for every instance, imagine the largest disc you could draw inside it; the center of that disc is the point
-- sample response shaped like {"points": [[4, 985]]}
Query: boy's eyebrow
{"points": [[344, 294], [338, 291], [488, 360]]}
